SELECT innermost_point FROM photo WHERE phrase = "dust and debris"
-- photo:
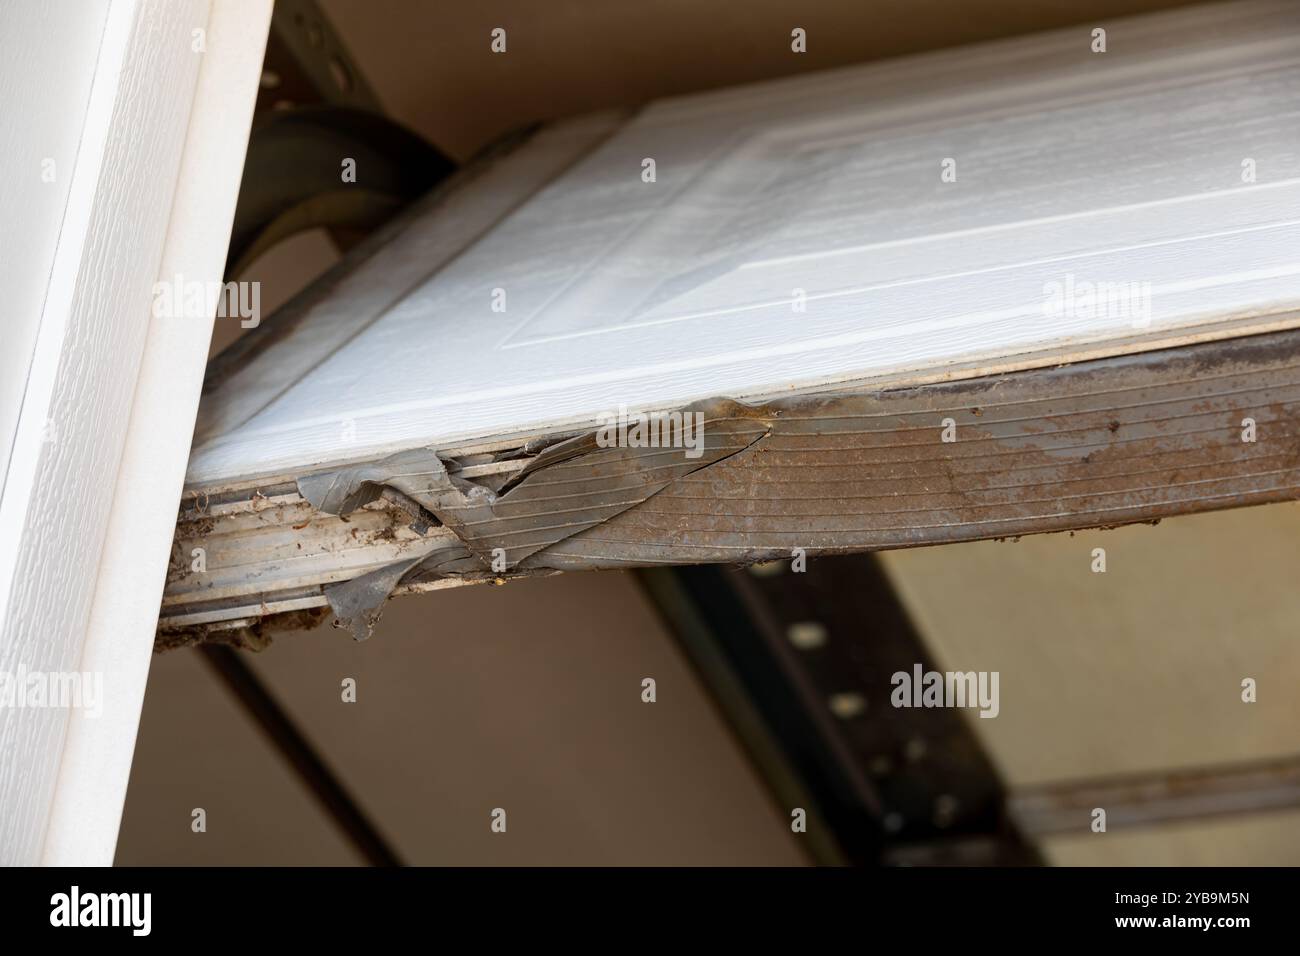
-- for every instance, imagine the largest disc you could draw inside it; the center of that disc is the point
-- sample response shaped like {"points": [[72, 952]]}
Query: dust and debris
{"points": [[253, 634]]}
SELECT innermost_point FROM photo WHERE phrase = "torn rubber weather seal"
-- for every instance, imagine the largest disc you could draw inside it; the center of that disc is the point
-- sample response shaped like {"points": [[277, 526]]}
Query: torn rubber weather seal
{"points": [[1133, 438], [567, 489]]}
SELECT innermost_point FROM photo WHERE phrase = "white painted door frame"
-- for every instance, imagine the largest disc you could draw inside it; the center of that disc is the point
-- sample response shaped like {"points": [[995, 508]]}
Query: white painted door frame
{"points": [[107, 412]]}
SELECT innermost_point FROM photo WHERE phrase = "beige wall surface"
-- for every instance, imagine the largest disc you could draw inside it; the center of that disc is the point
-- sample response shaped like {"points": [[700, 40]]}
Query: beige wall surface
{"points": [[198, 749], [1269, 839], [431, 65], [1133, 670], [525, 697], [1137, 668]]}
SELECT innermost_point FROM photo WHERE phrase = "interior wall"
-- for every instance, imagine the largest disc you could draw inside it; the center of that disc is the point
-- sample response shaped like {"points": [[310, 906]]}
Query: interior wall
{"points": [[526, 697], [432, 67], [1134, 670]]}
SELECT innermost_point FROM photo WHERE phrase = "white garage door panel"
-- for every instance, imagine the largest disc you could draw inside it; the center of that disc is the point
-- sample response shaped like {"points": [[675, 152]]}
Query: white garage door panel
{"points": [[50, 51], [1071, 167]]}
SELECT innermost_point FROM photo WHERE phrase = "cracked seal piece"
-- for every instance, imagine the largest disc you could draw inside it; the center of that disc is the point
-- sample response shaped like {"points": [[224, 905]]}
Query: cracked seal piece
{"points": [[358, 604], [569, 488]]}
